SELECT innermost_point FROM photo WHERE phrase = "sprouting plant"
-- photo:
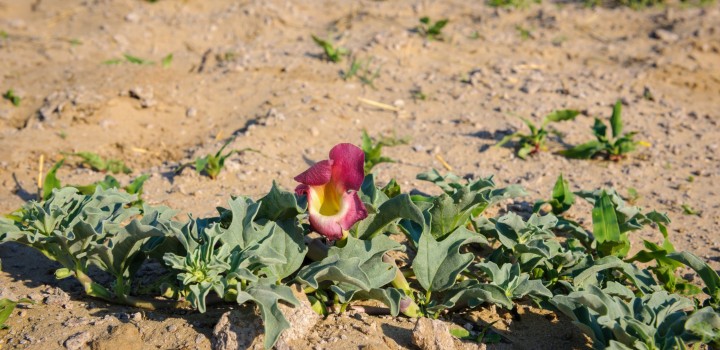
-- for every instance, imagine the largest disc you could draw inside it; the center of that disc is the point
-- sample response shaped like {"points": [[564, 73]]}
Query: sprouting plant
{"points": [[525, 33], [373, 149], [535, 141], [518, 4], [332, 53], [363, 70], [51, 182], [212, 164], [485, 336], [688, 210], [167, 60], [613, 148], [431, 30], [98, 163], [562, 198], [418, 94], [11, 96], [6, 308], [130, 59]]}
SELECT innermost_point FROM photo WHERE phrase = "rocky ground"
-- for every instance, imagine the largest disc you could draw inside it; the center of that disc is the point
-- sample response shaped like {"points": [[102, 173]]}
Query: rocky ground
{"points": [[250, 69]]}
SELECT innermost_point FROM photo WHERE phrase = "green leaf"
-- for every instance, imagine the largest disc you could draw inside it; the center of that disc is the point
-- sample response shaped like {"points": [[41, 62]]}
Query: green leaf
{"points": [[471, 293], [242, 232], [389, 212], [167, 60], [616, 120], [606, 228], [6, 308], [359, 263], [600, 129], [51, 181], [287, 239], [584, 151], [703, 323], [12, 97], [279, 204], [560, 115], [267, 297], [707, 273], [437, 264], [136, 60], [135, 187]]}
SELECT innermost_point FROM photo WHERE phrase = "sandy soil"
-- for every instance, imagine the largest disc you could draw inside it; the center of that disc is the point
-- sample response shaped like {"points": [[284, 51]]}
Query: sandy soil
{"points": [[250, 68]]}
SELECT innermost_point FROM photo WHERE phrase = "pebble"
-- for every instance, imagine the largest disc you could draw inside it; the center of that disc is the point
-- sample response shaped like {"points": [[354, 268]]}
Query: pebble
{"points": [[172, 328], [77, 341], [191, 112], [132, 17], [665, 35]]}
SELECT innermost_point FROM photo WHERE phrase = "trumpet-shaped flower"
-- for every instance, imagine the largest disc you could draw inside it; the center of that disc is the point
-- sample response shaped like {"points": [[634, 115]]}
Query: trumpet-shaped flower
{"points": [[331, 188]]}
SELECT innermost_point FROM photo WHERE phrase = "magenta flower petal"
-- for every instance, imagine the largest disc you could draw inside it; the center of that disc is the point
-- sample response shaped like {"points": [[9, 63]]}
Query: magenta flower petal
{"points": [[347, 167], [330, 186], [351, 211], [318, 174]]}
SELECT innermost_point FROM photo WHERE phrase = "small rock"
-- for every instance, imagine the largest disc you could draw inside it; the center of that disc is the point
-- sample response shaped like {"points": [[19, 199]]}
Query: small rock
{"points": [[191, 112], [314, 131], [132, 17], [125, 336], [431, 334], [77, 341], [172, 328], [665, 35]]}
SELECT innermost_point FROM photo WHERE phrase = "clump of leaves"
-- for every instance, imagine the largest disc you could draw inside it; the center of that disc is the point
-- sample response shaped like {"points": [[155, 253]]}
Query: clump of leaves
{"points": [[562, 198], [12, 97], [431, 30], [98, 163], [6, 308], [364, 71], [529, 144], [372, 148], [51, 182], [332, 53], [167, 61], [613, 148], [518, 4], [212, 164], [130, 59]]}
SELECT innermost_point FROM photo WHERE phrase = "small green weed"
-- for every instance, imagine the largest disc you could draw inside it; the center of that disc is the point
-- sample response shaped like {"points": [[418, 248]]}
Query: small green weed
{"points": [[613, 148], [364, 71], [12, 97], [98, 163], [529, 144], [373, 149], [212, 164], [332, 53], [167, 61], [6, 308], [431, 30]]}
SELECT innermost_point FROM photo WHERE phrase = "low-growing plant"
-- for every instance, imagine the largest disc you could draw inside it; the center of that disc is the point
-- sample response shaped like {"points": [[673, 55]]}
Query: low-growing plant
{"points": [[364, 71], [51, 182], [98, 163], [331, 239], [518, 4], [529, 144], [372, 148], [332, 53], [6, 308], [11, 96], [431, 30], [562, 198], [213, 164], [129, 59], [613, 148]]}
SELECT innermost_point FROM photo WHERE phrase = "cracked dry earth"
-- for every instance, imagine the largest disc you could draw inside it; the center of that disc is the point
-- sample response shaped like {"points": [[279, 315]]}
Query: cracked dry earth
{"points": [[250, 68]]}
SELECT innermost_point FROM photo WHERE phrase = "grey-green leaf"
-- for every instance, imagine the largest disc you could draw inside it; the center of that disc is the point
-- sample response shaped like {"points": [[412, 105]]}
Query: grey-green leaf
{"points": [[437, 264]]}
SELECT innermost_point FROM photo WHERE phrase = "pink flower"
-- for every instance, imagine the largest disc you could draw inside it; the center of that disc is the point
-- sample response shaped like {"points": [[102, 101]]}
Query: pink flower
{"points": [[331, 187]]}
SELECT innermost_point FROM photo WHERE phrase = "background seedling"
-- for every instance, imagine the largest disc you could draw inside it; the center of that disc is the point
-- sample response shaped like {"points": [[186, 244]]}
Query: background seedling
{"points": [[613, 148], [12, 97], [518, 4], [562, 198], [373, 150], [98, 163], [431, 30], [535, 141], [363, 70], [212, 164], [6, 308], [332, 53], [130, 59], [167, 61]]}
